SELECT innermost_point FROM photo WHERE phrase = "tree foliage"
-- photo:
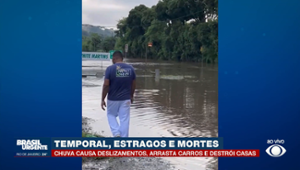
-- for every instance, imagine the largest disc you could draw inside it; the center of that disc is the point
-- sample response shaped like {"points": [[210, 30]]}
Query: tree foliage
{"points": [[178, 30], [97, 43]]}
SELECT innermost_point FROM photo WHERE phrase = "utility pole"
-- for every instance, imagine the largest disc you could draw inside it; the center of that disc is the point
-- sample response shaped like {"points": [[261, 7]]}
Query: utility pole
{"points": [[149, 44], [146, 51], [126, 49]]}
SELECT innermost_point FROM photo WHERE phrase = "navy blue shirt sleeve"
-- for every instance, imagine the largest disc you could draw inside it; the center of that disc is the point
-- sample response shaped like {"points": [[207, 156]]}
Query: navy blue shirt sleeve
{"points": [[107, 73]]}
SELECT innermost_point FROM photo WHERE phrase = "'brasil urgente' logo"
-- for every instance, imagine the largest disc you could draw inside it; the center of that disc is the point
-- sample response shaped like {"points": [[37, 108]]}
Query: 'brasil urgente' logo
{"points": [[31, 145]]}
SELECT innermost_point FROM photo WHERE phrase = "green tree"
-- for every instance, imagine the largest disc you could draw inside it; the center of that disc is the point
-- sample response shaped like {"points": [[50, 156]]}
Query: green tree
{"points": [[108, 44], [178, 30], [96, 42]]}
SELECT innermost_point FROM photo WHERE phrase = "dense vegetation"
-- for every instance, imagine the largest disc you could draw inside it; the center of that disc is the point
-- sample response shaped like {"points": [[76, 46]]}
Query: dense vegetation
{"points": [[183, 30], [98, 43], [97, 38]]}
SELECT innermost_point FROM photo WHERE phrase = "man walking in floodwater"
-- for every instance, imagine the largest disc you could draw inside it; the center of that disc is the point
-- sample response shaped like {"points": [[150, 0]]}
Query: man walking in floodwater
{"points": [[119, 84]]}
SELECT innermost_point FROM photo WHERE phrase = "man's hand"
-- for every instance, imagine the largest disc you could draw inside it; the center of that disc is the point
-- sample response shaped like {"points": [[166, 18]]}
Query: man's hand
{"points": [[131, 100], [103, 104]]}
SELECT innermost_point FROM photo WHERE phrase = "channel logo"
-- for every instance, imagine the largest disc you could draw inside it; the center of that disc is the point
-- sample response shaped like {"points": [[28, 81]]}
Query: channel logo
{"points": [[276, 150], [31, 144], [32, 147]]}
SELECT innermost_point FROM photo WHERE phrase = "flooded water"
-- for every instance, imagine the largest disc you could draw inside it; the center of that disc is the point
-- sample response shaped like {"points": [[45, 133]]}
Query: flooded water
{"points": [[182, 102]]}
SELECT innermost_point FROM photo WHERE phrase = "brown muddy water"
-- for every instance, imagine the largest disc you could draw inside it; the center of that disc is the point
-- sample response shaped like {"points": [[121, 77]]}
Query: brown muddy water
{"points": [[182, 102]]}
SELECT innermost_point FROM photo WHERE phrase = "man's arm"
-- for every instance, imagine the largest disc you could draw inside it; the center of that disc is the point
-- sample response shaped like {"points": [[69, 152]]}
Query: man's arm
{"points": [[133, 88], [105, 89]]}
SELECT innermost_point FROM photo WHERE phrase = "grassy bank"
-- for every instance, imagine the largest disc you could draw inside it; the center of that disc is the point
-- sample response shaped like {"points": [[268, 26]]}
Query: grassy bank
{"points": [[91, 135]]}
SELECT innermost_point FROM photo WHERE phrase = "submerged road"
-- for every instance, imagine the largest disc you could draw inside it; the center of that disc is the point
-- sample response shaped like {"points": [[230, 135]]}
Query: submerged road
{"points": [[183, 102]]}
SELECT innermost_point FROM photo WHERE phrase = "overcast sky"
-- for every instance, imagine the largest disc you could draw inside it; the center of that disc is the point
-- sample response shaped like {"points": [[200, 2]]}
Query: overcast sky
{"points": [[108, 12]]}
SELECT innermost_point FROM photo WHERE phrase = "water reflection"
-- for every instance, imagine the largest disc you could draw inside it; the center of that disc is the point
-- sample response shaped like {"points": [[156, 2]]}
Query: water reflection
{"points": [[184, 97], [182, 102]]}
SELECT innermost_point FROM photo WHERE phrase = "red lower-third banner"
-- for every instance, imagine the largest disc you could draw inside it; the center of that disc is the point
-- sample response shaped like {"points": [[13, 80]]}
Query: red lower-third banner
{"points": [[155, 153]]}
